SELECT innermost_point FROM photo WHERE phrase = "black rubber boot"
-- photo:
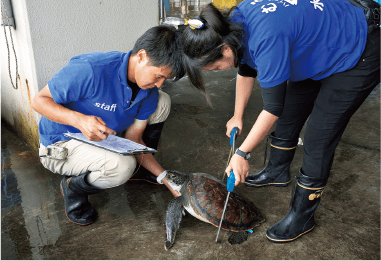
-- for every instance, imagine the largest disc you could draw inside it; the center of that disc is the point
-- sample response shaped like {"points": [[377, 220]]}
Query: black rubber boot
{"points": [[151, 137], [75, 191], [277, 171], [300, 218]]}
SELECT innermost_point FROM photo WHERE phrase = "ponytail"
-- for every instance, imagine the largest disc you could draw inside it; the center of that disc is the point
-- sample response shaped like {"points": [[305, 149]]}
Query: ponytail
{"points": [[204, 46]]}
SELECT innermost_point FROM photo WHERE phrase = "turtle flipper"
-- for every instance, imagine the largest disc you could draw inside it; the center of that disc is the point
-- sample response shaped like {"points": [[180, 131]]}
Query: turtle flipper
{"points": [[172, 220]]}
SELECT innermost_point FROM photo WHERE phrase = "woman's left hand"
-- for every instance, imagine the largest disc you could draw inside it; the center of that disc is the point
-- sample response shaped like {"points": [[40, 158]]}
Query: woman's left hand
{"points": [[240, 168]]}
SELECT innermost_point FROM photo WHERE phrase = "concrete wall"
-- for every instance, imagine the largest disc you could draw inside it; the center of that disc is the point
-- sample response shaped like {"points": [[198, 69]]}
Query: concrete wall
{"points": [[49, 33]]}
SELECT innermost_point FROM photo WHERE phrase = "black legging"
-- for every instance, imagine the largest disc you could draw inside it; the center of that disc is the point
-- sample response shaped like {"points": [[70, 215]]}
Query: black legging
{"points": [[329, 104]]}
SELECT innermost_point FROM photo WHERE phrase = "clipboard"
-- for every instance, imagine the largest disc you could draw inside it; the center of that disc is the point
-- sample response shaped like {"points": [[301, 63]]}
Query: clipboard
{"points": [[114, 144]]}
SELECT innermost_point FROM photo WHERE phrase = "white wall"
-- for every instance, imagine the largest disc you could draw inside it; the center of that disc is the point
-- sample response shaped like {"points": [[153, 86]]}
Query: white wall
{"points": [[14, 101], [49, 33]]}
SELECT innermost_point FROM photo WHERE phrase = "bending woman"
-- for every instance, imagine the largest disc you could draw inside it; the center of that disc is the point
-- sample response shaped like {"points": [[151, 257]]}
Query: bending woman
{"points": [[314, 59]]}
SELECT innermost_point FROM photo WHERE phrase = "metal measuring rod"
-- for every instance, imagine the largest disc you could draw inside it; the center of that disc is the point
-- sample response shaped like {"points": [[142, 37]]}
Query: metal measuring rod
{"points": [[231, 179]]}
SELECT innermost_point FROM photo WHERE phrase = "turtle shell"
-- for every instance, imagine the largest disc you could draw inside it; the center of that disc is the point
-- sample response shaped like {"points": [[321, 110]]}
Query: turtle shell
{"points": [[208, 195]]}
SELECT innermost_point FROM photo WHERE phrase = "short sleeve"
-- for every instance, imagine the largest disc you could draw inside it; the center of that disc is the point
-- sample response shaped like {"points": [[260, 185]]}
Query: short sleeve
{"points": [[272, 58], [246, 71], [149, 105], [73, 82], [238, 17]]}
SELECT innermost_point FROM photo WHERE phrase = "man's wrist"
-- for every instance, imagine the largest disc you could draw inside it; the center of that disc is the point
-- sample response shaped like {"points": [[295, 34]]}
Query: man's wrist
{"points": [[162, 176], [76, 118]]}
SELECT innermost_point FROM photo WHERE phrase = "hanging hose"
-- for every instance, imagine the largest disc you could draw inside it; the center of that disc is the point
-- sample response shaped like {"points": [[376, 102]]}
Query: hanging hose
{"points": [[4, 11]]}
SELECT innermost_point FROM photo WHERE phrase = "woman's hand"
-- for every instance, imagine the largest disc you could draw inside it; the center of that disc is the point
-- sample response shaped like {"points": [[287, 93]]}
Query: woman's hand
{"points": [[240, 168], [234, 122]]}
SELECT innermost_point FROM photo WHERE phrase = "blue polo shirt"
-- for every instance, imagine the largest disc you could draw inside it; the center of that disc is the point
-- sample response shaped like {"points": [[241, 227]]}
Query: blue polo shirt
{"points": [[300, 39], [96, 84]]}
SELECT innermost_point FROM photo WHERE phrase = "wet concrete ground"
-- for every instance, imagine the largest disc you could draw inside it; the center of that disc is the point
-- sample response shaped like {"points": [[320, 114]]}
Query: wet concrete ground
{"points": [[130, 222]]}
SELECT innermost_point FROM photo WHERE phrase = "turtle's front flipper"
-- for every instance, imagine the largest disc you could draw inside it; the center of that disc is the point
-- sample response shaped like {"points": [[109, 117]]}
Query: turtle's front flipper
{"points": [[172, 220]]}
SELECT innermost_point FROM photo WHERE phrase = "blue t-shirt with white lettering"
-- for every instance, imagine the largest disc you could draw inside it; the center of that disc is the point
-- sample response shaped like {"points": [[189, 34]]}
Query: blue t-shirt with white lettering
{"points": [[300, 39], [96, 84]]}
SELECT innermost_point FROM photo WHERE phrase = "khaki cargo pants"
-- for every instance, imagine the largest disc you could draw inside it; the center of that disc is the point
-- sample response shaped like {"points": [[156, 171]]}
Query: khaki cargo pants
{"points": [[107, 169]]}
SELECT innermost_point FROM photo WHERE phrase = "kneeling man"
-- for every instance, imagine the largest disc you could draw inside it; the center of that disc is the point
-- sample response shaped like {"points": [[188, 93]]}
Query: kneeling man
{"points": [[101, 94]]}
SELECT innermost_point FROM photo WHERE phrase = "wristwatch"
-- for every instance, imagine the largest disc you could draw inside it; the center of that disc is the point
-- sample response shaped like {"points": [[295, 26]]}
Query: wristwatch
{"points": [[245, 155]]}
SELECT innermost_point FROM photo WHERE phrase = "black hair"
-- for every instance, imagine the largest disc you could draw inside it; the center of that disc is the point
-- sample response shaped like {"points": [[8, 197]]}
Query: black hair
{"points": [[204, 46], [163, 47]]}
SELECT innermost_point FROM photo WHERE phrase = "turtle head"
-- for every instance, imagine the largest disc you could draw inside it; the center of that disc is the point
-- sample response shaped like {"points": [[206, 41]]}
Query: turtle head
{"points": [[176, 179]]}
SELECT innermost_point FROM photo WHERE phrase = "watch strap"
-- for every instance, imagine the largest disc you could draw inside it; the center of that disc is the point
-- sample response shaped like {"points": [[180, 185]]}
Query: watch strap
{"points": [[245, 155]]}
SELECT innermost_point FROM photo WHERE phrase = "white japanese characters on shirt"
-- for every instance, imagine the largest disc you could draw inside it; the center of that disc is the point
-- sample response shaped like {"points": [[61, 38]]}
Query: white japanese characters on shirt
{"points": [[272, 7]]}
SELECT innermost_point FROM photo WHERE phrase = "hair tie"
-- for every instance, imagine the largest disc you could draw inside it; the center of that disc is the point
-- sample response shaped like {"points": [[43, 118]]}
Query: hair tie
{"points": [[194, 23]]}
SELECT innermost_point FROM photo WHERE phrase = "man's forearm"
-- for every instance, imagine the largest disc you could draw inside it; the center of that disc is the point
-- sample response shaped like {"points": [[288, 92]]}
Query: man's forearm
{"points": [[135, 133], [47, 107], [149, 162], [93, 127]]}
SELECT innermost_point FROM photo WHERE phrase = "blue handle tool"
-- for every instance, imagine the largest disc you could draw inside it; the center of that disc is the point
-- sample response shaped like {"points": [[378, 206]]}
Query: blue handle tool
{"points": [[231, 181], [233, 135]]}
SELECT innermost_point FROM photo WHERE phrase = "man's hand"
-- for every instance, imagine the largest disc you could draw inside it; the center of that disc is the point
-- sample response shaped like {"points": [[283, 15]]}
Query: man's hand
{"points": [[135, 133], [94, 128], [240, 168], [174, 192]]}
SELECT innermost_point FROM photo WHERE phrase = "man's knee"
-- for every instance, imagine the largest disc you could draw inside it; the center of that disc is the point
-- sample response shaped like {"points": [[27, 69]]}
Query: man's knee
{"points": [[124, 169], [163, 109], [117, 171]]}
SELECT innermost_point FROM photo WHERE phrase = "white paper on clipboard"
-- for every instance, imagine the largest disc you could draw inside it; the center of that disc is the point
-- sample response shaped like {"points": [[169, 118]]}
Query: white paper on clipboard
{"points": [[115, 144]]}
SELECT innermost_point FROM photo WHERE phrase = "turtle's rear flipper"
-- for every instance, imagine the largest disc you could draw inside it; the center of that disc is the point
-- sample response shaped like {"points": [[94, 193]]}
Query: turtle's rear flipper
{"points": [[172, 220], [238, 237]]}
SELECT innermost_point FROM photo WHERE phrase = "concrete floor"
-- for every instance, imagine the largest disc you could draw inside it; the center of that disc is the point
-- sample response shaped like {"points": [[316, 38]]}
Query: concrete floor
{"points": [[131, 217]]}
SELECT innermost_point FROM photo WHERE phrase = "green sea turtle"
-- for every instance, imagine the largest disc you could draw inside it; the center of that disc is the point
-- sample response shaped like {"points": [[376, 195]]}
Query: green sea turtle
{"points": [[203, 196]]}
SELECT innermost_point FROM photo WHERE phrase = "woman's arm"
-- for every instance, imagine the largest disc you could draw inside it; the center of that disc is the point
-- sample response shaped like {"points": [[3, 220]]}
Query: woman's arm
{"points": [[273, 102], [244, 88], [261, 128]]}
